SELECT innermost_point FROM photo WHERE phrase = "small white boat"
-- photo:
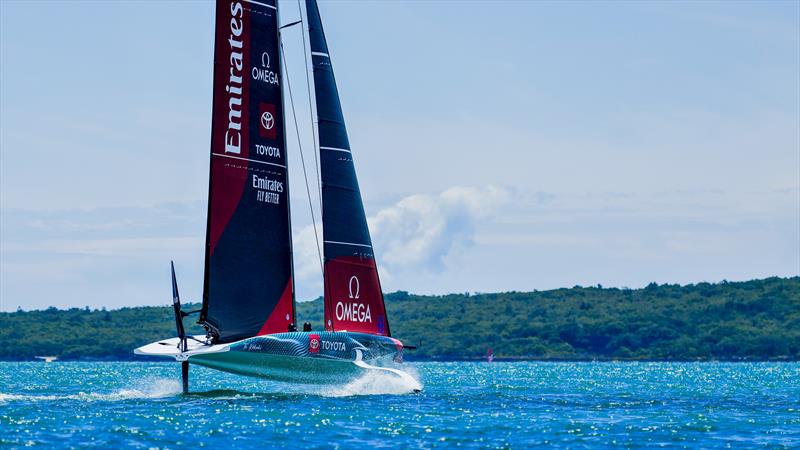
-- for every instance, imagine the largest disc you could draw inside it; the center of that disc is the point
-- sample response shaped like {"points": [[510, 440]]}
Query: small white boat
{"points": [[248, 307], [47, 359]]}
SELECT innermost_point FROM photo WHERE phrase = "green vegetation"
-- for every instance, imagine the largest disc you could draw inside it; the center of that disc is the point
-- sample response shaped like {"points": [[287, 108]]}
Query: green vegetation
{"points": [[754, 320]]}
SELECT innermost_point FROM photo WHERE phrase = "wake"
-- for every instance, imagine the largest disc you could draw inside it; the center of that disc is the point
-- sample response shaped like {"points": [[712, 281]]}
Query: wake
{"points": [[154, 388], [376, 381]]}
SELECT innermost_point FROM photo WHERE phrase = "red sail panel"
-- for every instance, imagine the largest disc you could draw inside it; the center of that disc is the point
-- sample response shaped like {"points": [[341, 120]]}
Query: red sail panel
{"points": [[283, 312], [354, 301], [248, 287]]}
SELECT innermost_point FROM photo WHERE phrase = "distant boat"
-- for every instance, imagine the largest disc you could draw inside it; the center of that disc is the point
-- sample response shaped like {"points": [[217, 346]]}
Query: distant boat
{"points": [[47, 359], [489, 355], [248, 308]]}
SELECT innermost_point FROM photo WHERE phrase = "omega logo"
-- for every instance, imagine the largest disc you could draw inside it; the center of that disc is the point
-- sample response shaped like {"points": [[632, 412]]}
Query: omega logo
{"points": [[354, 282]]}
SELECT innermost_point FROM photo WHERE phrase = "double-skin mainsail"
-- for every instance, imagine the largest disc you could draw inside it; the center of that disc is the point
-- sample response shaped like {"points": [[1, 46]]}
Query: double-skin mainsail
{"points": [[248, 269], [248, 287]]}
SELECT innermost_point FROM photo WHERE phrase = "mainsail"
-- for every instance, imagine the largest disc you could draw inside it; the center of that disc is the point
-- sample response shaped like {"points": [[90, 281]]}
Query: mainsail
{"points": [[248, 287], [353, 297]]}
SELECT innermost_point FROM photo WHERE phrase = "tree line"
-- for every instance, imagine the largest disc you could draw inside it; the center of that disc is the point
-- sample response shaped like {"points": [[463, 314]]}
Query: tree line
{"points": [[751, 320]]}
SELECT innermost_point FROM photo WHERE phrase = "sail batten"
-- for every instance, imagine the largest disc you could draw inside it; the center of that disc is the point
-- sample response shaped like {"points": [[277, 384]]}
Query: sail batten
{"points": [[349, 243], [353, 299], [248, 288]]}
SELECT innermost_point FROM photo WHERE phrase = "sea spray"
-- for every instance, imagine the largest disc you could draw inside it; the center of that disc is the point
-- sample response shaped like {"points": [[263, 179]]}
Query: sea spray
{"points": [[151, 388], [146, 388], [376, 382]]}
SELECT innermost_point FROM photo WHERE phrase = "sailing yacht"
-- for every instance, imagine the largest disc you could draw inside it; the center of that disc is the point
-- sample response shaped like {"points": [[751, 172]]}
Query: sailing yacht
{"points": [[248, 309]]}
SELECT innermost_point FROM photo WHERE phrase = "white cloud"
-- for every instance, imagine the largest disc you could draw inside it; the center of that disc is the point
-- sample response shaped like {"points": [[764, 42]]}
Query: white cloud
{"points": [[417, 231], [422, 230]]}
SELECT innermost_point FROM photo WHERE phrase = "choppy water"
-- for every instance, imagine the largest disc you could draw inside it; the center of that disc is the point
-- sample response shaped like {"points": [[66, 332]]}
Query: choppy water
{"points": [[472, 405]]}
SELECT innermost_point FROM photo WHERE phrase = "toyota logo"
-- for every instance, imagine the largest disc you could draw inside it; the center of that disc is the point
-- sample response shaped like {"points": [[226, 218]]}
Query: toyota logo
{"points": [[267, 121], [314, 344]]}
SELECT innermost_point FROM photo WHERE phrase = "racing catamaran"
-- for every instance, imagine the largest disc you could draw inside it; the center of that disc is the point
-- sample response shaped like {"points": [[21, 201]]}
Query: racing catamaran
{"points": [[248, 307]]}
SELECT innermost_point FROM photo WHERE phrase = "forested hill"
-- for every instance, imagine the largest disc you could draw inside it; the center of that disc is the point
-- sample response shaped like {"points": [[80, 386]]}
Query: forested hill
{"points": [[753, 320]]}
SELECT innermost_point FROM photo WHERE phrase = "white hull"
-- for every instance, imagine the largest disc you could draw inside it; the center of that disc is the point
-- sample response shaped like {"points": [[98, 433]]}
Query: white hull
{"points": [[169, 348]]}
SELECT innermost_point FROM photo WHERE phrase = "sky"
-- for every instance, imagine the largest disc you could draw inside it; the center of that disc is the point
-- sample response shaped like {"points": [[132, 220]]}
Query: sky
{"points": [[500, 146]]}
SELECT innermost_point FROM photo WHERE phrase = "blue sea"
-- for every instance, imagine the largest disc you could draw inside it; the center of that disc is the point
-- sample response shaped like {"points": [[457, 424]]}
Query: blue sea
{"points": [[463, 404]]}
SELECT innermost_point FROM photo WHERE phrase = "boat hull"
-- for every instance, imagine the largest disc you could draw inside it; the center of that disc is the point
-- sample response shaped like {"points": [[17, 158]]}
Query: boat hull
{"points": [[283, 368], [297, 357]]}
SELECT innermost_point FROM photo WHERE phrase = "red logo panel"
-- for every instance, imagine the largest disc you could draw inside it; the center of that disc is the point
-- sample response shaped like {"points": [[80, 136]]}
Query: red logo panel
{"points": [[313, 343], [267, 121], [355, 302]]}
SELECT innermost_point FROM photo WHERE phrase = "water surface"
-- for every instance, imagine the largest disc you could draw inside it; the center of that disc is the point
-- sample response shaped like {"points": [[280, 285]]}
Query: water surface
{"points": [[469, 405]]}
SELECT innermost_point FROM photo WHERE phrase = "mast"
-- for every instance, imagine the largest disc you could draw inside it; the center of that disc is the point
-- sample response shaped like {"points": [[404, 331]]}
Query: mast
{"points": [[283, 74], [353, 299], [248, 286]]}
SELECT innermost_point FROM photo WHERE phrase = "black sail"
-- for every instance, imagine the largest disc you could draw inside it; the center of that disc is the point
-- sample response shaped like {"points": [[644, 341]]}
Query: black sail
{"points": [[248, 287], [353, 297]]}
